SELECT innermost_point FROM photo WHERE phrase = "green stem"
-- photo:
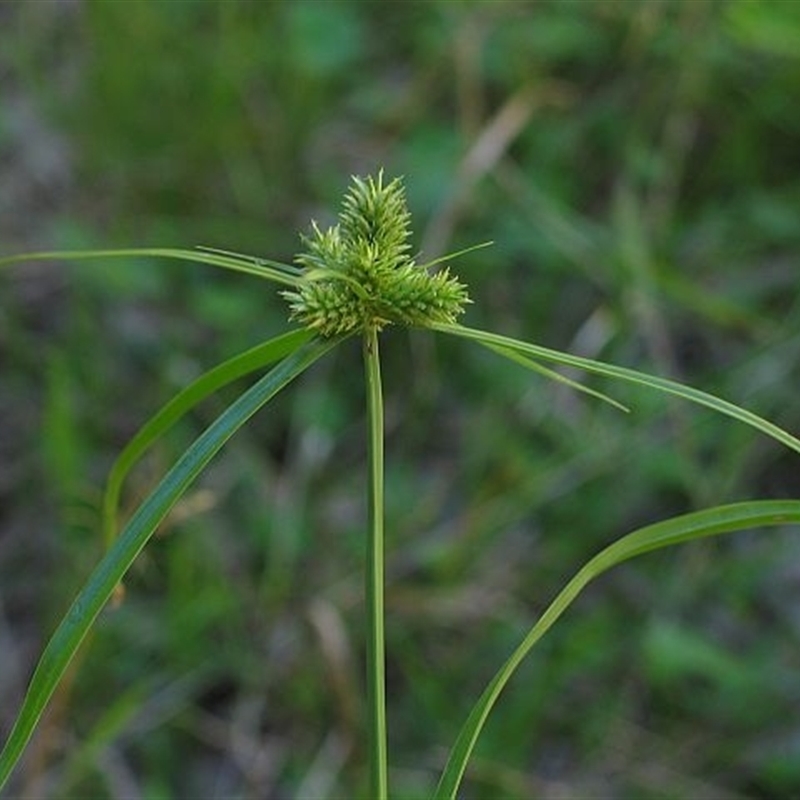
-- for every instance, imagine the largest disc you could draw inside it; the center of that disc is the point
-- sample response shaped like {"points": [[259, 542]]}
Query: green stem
{"points": [[376, 678]]}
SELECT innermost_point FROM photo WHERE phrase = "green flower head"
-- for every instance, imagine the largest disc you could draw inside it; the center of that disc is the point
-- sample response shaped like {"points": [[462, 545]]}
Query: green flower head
{"points": [[359, 274]]}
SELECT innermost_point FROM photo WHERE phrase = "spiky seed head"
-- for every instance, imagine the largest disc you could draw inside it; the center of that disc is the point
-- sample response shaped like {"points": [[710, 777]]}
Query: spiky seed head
{"points": [[360, 275]]}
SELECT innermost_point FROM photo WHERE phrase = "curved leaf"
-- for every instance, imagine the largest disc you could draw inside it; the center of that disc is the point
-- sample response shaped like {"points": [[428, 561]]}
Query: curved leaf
{"points": [[535, 366], [257, 260], [101, 583], [710, 522], [259, 356], [494, 340], [262, 267]]}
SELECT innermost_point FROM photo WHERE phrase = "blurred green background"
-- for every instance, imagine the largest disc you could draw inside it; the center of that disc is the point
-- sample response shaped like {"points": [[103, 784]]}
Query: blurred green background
{"points": [[637, 165]]}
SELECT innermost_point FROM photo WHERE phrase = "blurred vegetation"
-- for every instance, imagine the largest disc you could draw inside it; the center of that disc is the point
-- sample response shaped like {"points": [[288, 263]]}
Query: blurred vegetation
{"points": [[636, 164]]}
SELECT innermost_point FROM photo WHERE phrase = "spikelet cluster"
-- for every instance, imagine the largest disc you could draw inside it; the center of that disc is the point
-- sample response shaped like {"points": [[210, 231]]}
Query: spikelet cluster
{"points": [[359, 274]]}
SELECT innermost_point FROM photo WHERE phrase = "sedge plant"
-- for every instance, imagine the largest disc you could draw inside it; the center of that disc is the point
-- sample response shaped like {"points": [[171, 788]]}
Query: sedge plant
{"points": [[353, 280]]}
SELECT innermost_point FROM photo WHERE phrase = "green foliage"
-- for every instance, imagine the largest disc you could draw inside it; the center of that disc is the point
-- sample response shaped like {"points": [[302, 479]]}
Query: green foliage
{"points": [[98, 590], [645, 215], [664, 534], [371, 257]]}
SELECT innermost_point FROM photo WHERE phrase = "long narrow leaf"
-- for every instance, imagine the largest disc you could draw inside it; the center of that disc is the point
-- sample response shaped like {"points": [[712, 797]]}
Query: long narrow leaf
{"points": [[101, 583], [255, 358], [257, 260], [535, 366], [263, 268], [630, 375], [710, 522]]}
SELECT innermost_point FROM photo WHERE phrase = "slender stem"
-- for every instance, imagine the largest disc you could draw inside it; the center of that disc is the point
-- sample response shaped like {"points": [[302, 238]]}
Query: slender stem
{"points": [[376, 677]]}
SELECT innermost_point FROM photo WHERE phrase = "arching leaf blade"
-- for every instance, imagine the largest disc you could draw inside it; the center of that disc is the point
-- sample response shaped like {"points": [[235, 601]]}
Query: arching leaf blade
{"points": [[697, 525], [630, 375], [108, 573], [262, 268], [242, 364], [535, 366], [257, 260]]}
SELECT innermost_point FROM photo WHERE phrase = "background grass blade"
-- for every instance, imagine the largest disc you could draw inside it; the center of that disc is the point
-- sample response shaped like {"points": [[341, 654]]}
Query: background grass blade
{"points": [[632, 376], [263, 268], [101, 583], [722, 519], [255, 358]]}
